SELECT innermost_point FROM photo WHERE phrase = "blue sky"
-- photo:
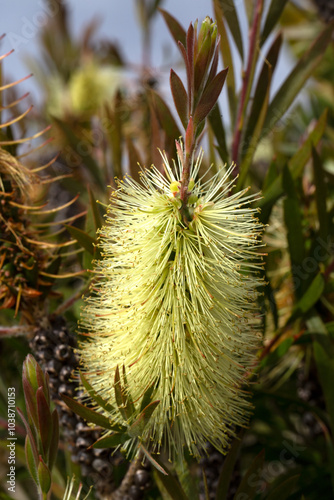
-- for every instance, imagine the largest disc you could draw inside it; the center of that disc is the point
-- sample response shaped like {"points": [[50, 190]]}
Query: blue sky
{"points": [[118, 22]]}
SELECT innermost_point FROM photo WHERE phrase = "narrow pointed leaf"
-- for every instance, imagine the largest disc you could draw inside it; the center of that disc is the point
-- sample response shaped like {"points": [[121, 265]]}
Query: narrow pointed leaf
{"points": [[229, 10], [44, 421], [147, 397], [284, 490], [84, 240], [43, 381], [137, 428], [177, 31], [153, 462], [310, 297], [274, 13], [325, 368], [218, 129], [53, 450], [250, 482], [30, 401], [93, 394], [134, 158], [226, 53], [165, 117], [180, 97], [251, 142], [227, 470], [90, 415], [95, 209], [171, 484], [129, 406], [44, 476], [190, 49], [296, 164], [262, 88], [31, 437], [293, 223], [119, 394], [202, 62], [111, 441], [295, 81], [320, 194], [210, 96], [30, 459]]}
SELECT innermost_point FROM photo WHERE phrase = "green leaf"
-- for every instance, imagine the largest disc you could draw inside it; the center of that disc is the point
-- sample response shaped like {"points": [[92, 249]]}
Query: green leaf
{"points": [[87, 159], [295, 81], [119, 394], [304, 153], [54, 442], [30, 400], [137, 428], [175, 28], [84, 240], [271, 175], [32, 441], [206, 489], [44, 421], [226, 472], [147, 397], [273, 357], [226, 53], [201, 63], [186, 476], [153, 462], [98, 221], [165, 117], [209, 97], [30, 459], [90, 415], [325, 367], [274, 13], [293, 223], [114, 129], [130, 407], [171, 484], [102, 403], [134, 158], [284, 490], [320, 194], [217, 126], [250, 482], [112, 441], [309, 298], [296, 163], [44, 476], [252, 141], [230, 15], [180, 97], [262, 89]]}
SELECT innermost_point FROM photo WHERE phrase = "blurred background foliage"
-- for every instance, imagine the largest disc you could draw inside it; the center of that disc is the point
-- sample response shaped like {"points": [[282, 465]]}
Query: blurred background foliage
{"points": [[107, 116]]}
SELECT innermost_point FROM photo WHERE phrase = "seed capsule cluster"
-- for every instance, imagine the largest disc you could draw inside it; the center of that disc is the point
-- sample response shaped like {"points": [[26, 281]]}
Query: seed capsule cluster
{"points": [[326, 9], [53, 348]]}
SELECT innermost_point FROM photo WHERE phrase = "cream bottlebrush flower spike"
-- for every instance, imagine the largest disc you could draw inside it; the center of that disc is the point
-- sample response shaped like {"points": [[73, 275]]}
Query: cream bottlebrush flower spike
{"points": [[176, 304]]}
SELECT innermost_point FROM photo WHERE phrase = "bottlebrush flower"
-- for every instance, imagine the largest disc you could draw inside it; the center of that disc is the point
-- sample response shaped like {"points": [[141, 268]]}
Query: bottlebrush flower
{"points": [[176, 304]]}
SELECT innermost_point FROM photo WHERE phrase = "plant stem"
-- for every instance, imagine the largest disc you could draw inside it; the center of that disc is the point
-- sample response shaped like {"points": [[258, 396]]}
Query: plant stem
{"points": [[121, 492], [247, 82], [15, 331]]}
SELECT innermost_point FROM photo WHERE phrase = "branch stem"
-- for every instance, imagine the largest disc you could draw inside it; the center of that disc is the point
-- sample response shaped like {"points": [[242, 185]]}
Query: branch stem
{"points": [[121, 492], [248, 77]]}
